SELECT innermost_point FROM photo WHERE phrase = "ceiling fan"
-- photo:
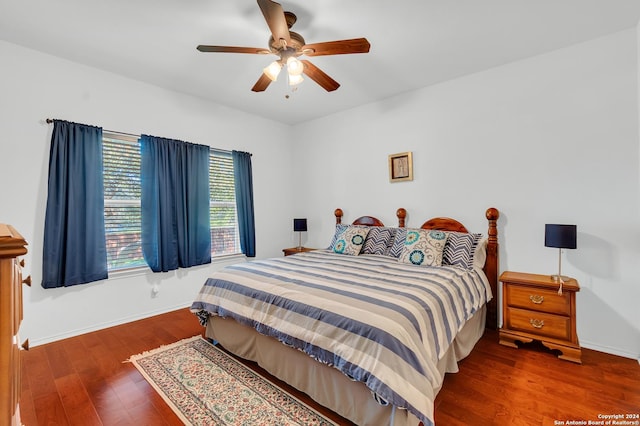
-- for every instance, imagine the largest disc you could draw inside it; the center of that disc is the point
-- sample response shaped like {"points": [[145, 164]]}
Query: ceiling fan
{"points": [[288, 46]]}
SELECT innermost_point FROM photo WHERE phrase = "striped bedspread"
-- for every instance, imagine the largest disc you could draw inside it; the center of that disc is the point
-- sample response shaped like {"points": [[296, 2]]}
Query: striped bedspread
{"points": [[379, 321]]}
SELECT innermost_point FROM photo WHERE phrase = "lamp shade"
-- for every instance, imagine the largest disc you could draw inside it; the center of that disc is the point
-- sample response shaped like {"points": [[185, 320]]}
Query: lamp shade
{"points": [[300, 225], [294, 66], [560, 236], [295, 79], [272, 70]]}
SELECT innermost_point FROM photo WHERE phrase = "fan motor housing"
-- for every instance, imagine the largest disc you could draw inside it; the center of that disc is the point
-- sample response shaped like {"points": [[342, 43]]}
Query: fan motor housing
{"points": [[296, 43]]}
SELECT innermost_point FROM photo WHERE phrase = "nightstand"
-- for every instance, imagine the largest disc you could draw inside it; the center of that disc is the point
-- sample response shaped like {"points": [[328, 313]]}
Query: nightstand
{"points": [[532, 309], [294, 250]]}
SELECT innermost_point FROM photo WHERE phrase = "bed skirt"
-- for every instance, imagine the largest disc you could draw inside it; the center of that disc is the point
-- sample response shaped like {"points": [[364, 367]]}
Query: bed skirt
{"points": [[327, 385]]}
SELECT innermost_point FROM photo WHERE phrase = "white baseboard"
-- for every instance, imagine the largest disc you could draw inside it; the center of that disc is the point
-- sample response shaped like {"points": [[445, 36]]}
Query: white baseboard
{"points": [[610, 350], [100, 326]]}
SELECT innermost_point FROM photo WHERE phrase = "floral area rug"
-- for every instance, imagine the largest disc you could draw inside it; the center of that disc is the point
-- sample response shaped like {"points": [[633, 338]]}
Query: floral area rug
{"points": [[205, 386]]}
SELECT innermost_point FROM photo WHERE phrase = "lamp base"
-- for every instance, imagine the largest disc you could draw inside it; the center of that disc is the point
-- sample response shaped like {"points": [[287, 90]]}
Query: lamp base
{"points": [[557, 277]]}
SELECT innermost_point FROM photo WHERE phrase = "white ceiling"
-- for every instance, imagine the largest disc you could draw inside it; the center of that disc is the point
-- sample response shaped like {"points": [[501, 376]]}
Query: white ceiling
{"points": [[414, 43]]}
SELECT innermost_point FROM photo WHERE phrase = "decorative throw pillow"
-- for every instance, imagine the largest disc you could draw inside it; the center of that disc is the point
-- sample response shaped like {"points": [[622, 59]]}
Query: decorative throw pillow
{"points": [[423, 247], [340, 228], [379, 240], [351, 240], [460, 248], [398, 243]]}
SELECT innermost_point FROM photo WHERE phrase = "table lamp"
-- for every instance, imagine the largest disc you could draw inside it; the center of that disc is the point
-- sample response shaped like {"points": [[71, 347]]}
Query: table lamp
{"points": [[300, 226], [560, 236]]}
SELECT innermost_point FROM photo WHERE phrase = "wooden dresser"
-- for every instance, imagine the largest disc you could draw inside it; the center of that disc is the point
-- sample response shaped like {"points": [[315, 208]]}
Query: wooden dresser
{"points": [[12, 245], [533, 310]]}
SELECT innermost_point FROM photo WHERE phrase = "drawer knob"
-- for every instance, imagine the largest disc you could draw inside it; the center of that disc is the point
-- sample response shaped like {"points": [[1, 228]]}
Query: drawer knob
{"points": [[27, 281], [536, 298], [536, 323]]}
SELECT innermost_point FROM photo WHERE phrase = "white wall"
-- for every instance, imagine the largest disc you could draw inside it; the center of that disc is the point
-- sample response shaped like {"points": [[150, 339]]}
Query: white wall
{"points": [[33, 87], [550, 139]]}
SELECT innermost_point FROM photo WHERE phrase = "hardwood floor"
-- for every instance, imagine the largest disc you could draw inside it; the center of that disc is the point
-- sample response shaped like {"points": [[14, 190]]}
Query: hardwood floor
{"points": [[498, 385], [84, 381]]}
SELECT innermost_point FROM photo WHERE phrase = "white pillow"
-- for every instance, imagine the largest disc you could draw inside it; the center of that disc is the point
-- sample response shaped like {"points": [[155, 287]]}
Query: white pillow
{"points": [[480, 253]]}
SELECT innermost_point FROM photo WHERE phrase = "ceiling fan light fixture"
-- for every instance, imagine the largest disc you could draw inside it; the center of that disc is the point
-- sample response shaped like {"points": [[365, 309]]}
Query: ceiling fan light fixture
{"points": [[294, 66], [288, 46], [294, 80], [272, 70]]}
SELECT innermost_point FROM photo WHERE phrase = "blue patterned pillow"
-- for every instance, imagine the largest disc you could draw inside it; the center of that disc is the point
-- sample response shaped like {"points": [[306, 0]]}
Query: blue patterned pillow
{"points": [[398, 242], [351, 240], [460, 248], [379, 240], [340, 228], [423, 247]]}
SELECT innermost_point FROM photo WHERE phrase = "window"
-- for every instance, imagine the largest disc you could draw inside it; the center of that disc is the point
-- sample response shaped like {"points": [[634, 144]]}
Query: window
{"points": [[122, 212], [225, 237], [122, 219]]}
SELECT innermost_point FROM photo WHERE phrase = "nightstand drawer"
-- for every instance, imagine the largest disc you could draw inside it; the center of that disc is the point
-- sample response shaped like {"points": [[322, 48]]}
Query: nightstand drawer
{"points": [[540, 323], [539, 299]]}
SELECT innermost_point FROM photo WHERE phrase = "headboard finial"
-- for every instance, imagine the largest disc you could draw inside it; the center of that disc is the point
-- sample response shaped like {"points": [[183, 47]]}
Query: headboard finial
{"points": [[401, 214], [492, 216], [493, 213], [338, 214]]}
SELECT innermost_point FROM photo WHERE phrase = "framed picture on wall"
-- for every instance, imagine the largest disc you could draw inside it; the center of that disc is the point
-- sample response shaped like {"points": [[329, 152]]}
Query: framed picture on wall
{"points": [[400, 167]]}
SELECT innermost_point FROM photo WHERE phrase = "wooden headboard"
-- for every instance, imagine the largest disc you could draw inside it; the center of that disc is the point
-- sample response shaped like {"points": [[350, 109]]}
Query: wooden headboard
{"points": [[401, 214], [448, 224]]}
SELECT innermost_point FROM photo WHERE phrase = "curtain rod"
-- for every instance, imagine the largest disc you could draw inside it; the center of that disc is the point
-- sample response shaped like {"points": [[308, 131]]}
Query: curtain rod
{"points": [[226, 151], [50, 120]]}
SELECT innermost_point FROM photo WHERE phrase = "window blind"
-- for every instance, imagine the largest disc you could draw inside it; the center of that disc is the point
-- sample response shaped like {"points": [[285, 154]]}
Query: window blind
{"points": [[121, 163], [224, 228]]}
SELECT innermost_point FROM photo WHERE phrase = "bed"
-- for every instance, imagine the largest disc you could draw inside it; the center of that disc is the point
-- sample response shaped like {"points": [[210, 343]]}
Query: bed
{"points": [[361, 333]]}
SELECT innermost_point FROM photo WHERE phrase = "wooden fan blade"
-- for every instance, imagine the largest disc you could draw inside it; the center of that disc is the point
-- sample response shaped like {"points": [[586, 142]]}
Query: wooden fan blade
{"points": [[338, 47], [319, 76], [262, 83], [274, 15], [232, 49]]}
